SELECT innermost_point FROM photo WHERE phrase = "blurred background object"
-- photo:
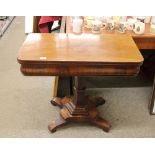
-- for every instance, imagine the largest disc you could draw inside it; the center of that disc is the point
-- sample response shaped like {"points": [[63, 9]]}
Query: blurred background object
{"points": [[5, 21]]}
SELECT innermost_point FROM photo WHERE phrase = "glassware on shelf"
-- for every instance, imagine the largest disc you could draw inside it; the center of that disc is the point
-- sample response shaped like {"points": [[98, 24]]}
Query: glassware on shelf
{"points": [[130, 23], [116, 18], [120, 23], [110, 25], [153, 19], [88, 21], [147, 19], [96, 26], [77, 24], [76, 17], [123, 18], [107, 18], [152, 28], [121, 27]]}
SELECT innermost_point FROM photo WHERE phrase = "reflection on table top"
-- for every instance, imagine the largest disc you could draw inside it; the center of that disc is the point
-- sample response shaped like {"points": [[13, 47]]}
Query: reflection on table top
{"points": [[85, 48], [79, 55], [144, 41], [87, 30]]}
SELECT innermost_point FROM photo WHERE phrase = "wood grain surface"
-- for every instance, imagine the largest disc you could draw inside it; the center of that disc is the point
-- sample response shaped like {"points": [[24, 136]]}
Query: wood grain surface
{"points": [[85, 48], [82, 55]]}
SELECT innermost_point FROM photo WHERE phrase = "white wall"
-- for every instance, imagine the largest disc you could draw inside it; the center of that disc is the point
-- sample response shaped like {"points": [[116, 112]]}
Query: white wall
{"points": [[28, 24]]}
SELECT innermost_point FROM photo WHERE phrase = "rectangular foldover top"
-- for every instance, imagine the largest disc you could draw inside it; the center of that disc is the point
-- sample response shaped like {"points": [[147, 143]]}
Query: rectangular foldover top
{"points": [[83, 48]]}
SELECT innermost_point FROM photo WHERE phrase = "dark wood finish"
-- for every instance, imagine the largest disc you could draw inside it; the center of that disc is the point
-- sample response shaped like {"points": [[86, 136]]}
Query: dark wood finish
{"points": [[145, 43], [63, 86], [98, 69], [84, 55], [79, 108], [35, 24], [79, 55], [152, 99]]}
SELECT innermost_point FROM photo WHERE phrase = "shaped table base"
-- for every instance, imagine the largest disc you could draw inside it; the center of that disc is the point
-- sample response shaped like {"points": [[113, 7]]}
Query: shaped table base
{"points": [[79, 108]]}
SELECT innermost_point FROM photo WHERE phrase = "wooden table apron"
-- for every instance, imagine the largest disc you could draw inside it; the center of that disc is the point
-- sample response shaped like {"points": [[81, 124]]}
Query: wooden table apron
{"points": [[71, 55]]}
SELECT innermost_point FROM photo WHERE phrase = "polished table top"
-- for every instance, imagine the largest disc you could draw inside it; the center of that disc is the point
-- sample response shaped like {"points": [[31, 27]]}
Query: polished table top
{"points": [[87, 54]]}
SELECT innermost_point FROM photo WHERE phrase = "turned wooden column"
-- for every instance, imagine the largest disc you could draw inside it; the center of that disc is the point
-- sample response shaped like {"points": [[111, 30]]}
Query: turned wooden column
{"points": [[79, 98]]}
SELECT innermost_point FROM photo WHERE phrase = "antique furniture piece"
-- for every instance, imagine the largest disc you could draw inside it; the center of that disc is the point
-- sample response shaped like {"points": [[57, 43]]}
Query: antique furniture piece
{"points": [[79, 55]]}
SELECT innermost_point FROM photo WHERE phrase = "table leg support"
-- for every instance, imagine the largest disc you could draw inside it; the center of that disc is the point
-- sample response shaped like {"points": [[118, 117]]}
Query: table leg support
{"points": [[79, 108], [101, 123], [57, 123]]}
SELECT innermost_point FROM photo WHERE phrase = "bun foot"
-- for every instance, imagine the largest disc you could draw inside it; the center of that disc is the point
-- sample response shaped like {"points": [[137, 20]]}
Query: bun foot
{"points": [[56, 101], [96, 101], [60, 102], [99, 101]]}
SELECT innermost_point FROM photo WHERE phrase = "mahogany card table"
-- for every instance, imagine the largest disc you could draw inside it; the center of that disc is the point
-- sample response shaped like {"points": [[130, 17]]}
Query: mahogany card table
{"points": [[76, 56]]}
